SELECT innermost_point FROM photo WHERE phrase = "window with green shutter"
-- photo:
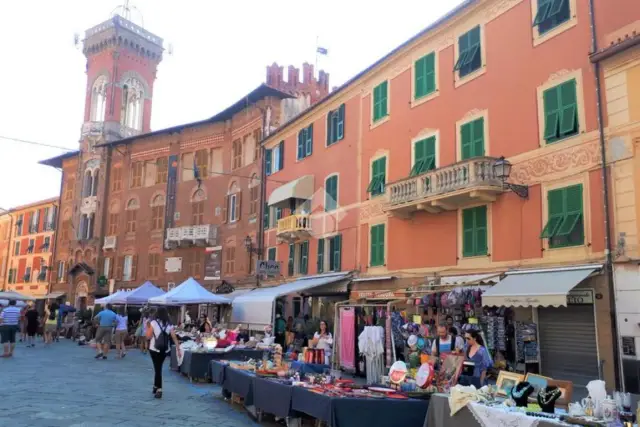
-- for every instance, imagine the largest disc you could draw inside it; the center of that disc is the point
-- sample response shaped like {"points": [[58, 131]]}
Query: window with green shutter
{"points": [[335, 125], [271, 254], [377, 245], [267, 216], [331, 193], [304, 258], [380, 101], [424, 156], [378, 177], [425, 76], [277, 215], [469, 52], [472, 139], [560, 112], [320, 259], [292, 259], [474, 231], [551, 13], [565, 225], [335, 253], [305, 142]]}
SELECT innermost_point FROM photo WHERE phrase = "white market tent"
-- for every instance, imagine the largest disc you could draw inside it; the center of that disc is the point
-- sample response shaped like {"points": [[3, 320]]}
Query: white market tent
{"points": [[189, 292], [5, 303], [138, 296], [109, 299], [9, 295]]}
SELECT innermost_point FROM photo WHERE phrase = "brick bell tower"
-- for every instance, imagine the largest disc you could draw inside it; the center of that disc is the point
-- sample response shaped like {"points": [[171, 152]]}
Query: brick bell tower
{"points": [[122, 60]]}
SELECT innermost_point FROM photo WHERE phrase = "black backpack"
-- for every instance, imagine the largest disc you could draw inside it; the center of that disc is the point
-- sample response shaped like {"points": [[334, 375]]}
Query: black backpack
{"points": [[162, 342], [52, 315]]}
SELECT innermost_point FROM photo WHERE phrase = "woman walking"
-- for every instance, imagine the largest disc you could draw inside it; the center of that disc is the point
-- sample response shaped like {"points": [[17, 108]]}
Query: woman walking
{"points": [[51, 323], [32, 319], [122, 321], [141, 333], [160, 331]]}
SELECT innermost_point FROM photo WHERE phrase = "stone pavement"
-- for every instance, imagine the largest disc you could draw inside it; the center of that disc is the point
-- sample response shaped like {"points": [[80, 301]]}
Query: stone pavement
{"points": [[64, 386]]}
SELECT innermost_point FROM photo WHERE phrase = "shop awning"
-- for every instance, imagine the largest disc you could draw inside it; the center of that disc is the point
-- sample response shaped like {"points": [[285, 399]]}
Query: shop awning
{"points": [[301, 188], [256, 307], [489, 278], [537, 288], [54, 295]]}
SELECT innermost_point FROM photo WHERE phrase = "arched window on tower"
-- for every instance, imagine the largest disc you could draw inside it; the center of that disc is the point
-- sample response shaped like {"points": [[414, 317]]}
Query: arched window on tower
{"points": [[94, 182], [99, 99], [86, 184], [132, 104]]}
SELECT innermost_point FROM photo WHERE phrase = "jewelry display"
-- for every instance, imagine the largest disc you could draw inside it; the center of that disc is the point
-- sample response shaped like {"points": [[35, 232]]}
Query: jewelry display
{"points": [[521, 392], [547, 397]]}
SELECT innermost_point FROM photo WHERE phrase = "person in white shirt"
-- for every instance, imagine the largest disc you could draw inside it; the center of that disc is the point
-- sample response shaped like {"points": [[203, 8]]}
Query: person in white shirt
{"points": [[446, 343], [159, 331], [323, 340], [122, 332]]}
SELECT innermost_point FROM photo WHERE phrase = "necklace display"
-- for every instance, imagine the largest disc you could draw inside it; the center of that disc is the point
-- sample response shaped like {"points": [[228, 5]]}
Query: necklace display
{"points": [[547, 398], [521, 392]]}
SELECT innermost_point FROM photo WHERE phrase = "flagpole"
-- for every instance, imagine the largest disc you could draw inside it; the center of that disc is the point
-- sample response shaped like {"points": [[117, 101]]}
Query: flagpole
{"points": [[317, 46]]}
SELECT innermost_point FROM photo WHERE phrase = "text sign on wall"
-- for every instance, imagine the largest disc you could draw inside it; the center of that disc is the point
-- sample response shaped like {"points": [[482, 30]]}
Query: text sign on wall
{"points": [[170, 204], [580, 297], [270, 268], [213, 263]]}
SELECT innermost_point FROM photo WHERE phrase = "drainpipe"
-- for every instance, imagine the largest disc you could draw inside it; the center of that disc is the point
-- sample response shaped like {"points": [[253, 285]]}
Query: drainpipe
{"points": [[605, 195], [263, 190], [7, 265]]}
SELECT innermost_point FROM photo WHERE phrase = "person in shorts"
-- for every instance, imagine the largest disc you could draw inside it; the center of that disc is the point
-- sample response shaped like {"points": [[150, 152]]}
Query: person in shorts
{"points": [[9, 327], [121, 332], [50, 323], [106, 321]]}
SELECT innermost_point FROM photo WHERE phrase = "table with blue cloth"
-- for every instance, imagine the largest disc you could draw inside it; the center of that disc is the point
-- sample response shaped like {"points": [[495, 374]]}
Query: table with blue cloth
{"points": [[216, 371], [240, 382], [196, 365], [309, 368]]}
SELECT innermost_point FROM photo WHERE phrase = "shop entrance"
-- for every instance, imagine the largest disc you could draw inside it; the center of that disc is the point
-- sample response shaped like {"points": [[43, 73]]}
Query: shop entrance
{"points": [[568, 344]]}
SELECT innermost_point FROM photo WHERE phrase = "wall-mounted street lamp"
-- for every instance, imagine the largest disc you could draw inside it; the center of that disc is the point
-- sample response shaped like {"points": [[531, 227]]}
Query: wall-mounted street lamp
{"points": [[502, 170], [248, 245]]}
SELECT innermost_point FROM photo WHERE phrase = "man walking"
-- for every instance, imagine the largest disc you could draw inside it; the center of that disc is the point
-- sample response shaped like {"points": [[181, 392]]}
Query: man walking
{"points": [[107, 320], [9, 325]]}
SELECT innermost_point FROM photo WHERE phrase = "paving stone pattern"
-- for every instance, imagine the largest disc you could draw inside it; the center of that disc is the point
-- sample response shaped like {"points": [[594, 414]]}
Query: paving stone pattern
{"points": [[64, 386]]}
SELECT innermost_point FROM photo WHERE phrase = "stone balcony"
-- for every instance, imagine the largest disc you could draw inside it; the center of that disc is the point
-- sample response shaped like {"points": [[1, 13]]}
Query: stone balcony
{"points": [[189, 235], [294, 227], [112, 131], [448, 188]]}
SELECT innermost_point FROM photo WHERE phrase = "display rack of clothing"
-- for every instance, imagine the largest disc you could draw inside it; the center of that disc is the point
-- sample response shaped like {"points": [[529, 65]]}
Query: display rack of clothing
{"points": [[371, 345]]}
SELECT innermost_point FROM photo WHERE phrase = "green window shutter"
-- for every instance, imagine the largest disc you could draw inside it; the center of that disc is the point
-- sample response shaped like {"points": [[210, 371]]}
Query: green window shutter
{"points": [[430, 75], [379, 176], [424, 156], [304, 257], [466, 135], [330, 139], [463, 50], [569, 113], [467, 232], [267, 214], [292, 257], [301, 138], [340, 125], [543, 10], [551, 114], [320, 260], [267, 162], [281, 160], [480, 230], [278, 214], [271, 254], [377, 245], [384, 95], [309, 141], [335, 248], [556, 213], [573, 211], [477, 141], [380, 97], [425, 76], [555, 8], [331, 194]]}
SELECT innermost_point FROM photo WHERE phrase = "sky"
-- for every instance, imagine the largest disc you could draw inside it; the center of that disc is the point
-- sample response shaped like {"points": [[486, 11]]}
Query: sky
{"points": [[220, 52]]}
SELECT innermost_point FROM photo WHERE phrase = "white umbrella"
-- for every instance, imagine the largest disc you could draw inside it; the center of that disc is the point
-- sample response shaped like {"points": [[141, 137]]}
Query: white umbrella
{"points": [[189, 292]]}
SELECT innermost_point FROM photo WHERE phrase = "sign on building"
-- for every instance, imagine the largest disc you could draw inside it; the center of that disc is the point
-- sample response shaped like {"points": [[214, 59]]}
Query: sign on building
{"points": [[270, 268], [580, 297], [173, 264], [213, 263]]}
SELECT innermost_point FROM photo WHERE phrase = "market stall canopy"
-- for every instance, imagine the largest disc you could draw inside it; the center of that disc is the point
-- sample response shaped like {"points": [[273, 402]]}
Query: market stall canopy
{"points": [[54, 295], [9, 295], [189, 292], [5, 302], [301, 188], [140, 295], [235, 294], [537, 288], [256, 307], [109, 299]]}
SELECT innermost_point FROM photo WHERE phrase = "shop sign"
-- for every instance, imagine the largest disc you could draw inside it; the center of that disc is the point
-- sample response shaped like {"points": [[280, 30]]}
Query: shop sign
{"points": [[375, 295], [522, 301], [270, 268], [580, 297], [213, 263]]}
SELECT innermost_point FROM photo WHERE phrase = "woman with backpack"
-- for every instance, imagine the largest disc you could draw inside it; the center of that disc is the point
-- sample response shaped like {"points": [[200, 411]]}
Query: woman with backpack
{"points": [[160, 332]]}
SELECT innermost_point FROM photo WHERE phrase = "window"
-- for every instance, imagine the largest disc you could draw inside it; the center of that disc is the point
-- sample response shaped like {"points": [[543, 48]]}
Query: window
{"points": [[162, 170], [132, 104], [378, 177], [116, 179], [257, 137], [331, 193], [254, 193], [424, 74], [274, 159], [154, 265], [271, 254], [202, 163], [27, 275], [131, 221], [560, 112], [565, 225], [551, 13], [19, 225], [320, 260], [197, 213], [106, 267], [195, 266], [113, 224], [267, 216], [99, 99], [469, 52], [95, 179], [129, 268], [61, 268], [16, 248], [237, 154], [305, 142], [230, 260], [474, 231], [31, 247], [11, 278], [216, 161], [277, 216], [335, 252], [157, 217], [380, 101], [46, 244], [377, 245], [472, 139], [233, 208], [292, 258], [424, 156], [137, 172], [68, 189], [335, 125], [304, 258]]}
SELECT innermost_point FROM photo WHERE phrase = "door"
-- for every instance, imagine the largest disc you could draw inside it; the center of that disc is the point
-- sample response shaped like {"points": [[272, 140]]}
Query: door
{"points": [[568, 345]]}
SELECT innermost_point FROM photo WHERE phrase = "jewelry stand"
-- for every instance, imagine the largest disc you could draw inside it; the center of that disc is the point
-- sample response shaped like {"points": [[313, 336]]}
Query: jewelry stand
{"points": [[547, 397], [521, 392]]}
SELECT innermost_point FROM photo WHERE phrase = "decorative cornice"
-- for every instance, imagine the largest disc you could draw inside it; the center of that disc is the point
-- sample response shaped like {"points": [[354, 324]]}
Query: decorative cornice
{"points": [[499, 7], [371, 209]]}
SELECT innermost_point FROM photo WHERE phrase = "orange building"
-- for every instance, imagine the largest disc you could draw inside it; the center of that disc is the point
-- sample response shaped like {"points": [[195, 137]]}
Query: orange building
{"points": [[30, 253], [405, 164], [6, 223]]}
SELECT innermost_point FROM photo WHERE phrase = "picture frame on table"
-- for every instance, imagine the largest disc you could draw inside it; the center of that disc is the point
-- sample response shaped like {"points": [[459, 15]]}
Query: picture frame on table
{"points": [[506, 381], [567, 391], [538, 382]]}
